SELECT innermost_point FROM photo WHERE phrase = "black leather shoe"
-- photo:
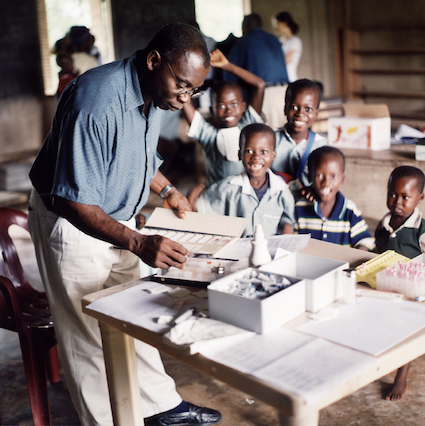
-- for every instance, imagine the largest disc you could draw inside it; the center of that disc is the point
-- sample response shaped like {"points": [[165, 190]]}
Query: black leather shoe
{"points": [[195, 415]]}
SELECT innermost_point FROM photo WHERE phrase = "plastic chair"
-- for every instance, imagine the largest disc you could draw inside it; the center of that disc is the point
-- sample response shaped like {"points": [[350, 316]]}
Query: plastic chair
{"points": [[26, 311]]}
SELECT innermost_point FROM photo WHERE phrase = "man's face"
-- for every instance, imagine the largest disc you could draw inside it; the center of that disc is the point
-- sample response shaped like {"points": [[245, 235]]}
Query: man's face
{"points": [[168, 90], [228, 107]]}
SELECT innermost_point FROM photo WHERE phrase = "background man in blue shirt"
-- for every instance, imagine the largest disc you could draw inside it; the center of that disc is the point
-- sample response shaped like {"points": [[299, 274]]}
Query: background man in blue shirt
{"points": [[261, 53], [95, 171]]}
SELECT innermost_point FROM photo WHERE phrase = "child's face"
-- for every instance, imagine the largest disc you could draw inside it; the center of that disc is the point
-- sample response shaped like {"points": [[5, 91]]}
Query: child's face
{"points": [[301, 111], [229, 107], [403, 196], [258, 154], [327, 177]]}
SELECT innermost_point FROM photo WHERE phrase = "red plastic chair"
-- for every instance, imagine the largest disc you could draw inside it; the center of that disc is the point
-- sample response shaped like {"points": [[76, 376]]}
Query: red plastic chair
{"points": [[26, 311]]}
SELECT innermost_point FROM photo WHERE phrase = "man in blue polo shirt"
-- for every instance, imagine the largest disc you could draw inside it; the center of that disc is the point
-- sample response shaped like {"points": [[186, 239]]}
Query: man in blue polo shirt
{"points": [[261, 53], [93, 173]]}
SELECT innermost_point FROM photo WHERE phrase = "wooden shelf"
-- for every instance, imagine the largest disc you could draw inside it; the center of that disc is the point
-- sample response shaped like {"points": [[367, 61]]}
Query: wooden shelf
{"points": [[381, 71], [400, 95], [394, 51], [391, 27], [412, 116]]}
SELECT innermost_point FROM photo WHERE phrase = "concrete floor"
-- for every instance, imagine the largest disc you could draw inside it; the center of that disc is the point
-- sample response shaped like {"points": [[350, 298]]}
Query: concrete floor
{"points": [[365, 407]]}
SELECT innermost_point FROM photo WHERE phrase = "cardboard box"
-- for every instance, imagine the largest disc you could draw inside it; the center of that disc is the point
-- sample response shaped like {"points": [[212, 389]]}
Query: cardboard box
{"points": [[323, 277], [260, 316], [364, 126]]}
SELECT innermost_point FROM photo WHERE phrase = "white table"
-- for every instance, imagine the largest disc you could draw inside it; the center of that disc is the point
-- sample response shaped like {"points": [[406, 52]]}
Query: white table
{"points": [[120, 360]]}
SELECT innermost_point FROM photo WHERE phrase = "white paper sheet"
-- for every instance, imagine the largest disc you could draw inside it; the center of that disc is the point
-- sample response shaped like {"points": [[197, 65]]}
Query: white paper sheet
{"points": [[241, 248], [254, 352], [315, 369], [371, 325], [293, 361], [136, 306]]}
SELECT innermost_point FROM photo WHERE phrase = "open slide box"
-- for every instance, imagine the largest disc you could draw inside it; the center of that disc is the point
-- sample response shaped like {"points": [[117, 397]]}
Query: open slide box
{"points": [[364, 126], [199, 233], [323, 277], [256, 315]]}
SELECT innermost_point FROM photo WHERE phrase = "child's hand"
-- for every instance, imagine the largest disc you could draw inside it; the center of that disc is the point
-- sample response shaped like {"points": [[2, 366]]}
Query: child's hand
{"points": [[217, 58], [309, 193]]}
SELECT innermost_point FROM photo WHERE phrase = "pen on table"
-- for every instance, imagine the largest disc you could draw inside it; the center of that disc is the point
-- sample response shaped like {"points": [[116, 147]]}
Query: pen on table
{"points": [[420, 298]]}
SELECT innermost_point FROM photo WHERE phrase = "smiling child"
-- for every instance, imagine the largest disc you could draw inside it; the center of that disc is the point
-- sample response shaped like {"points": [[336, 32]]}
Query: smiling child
{"points": [[292, 141], [257, 193], [332, 217], [220, 140], [403, 230]]}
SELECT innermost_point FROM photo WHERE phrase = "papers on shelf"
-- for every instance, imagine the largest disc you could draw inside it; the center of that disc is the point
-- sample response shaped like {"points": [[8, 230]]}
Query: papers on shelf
{"points": [[371, 325]]}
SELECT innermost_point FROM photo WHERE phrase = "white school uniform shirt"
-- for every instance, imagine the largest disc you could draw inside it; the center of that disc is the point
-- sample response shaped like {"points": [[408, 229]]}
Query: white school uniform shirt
{"points": [[234, 196]]}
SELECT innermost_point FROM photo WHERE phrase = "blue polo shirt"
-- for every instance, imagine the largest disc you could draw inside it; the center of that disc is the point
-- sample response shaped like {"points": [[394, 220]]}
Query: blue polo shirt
{"points": [[101, 149], [260, 53]]}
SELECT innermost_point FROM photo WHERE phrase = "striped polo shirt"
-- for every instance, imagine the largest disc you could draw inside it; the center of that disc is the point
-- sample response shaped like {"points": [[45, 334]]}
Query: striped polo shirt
{"points": [[344, 226]]}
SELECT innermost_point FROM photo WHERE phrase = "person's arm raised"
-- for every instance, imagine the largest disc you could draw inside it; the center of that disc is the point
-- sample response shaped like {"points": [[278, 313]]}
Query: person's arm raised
{"points": [[218, 60]]}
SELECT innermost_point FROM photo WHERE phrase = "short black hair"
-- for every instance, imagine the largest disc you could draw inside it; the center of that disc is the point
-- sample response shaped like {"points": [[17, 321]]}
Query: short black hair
{"points": [[251, 21], [287, 18], [220, 85], [254, 128], [302, 84], [408, 172], [317, 155], [176, 40]]}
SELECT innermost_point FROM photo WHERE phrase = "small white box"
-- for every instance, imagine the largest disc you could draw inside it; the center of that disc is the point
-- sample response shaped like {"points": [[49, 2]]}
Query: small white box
{"points": [[256, 315], [365, 126], [322, 277], [420, 150]]}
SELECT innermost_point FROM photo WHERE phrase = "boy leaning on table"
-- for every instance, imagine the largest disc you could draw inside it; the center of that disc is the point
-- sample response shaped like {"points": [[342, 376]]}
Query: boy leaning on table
{"points": [[403, 230]]}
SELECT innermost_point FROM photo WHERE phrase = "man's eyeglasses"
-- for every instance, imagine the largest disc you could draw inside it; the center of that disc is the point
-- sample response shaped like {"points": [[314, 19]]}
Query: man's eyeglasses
{"points": [[193, 93]]}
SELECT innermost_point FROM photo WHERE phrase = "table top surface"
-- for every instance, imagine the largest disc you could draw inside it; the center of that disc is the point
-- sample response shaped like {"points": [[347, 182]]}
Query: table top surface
{"points": [[398, 355]]}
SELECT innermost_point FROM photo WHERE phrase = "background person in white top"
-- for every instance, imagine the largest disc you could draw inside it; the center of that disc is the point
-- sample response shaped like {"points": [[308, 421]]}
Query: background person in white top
{"points": [[292, 46]]}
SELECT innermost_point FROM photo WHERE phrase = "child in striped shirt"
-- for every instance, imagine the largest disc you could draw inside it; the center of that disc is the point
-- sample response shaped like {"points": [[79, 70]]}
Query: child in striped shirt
{"points": [[331, 217]]}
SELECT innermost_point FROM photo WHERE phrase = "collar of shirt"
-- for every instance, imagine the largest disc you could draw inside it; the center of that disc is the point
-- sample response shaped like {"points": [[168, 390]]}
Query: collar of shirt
{"points": [[338, 210], [133, 91], [289, 138], [413, 221], [277, 184]]}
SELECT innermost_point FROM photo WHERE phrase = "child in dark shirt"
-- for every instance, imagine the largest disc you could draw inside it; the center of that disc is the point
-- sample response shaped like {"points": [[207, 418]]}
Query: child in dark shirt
{"points": [[403, 230]]}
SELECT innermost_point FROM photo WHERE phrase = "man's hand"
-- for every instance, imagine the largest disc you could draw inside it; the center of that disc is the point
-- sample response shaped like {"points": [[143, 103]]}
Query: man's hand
{"points": [[175, 200], [161, 252], [156, 251]]}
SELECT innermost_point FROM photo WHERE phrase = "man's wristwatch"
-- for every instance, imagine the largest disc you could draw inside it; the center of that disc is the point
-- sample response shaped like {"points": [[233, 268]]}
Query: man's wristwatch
{"points": [[165, 191]]}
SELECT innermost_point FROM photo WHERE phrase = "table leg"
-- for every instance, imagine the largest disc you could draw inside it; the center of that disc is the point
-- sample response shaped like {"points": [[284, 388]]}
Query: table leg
{"points": [[121, 370], [305, 418]]}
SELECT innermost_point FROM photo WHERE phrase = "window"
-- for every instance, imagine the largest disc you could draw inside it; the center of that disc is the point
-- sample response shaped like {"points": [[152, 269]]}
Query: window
{"points": [[218, 25], [55, 19]]}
